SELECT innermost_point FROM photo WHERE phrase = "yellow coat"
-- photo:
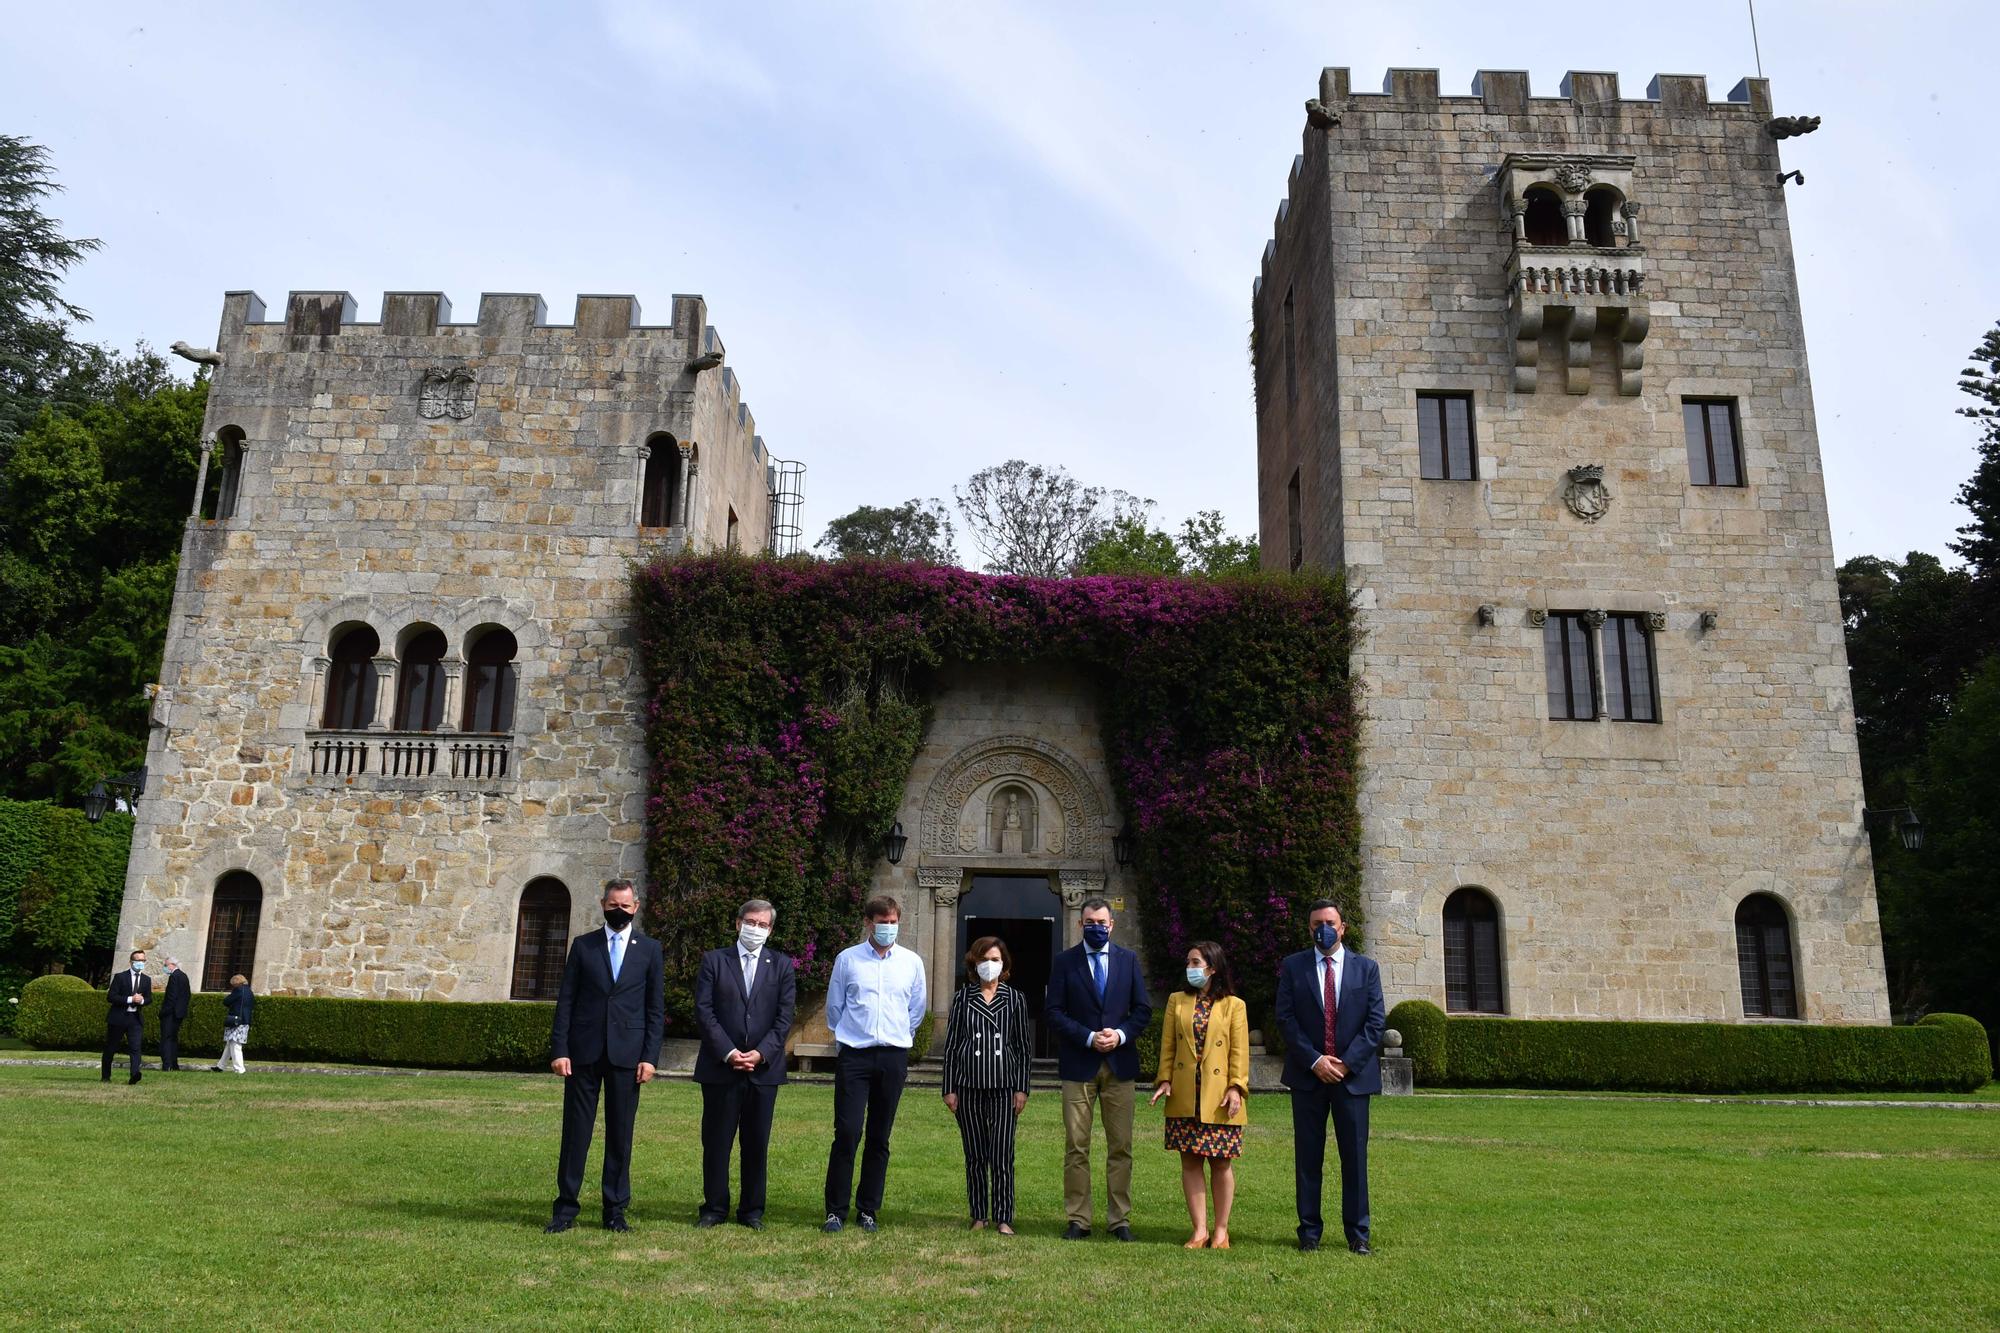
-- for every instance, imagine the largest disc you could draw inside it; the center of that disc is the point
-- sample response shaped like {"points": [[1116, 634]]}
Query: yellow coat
{"points": [[1225, 1058]]}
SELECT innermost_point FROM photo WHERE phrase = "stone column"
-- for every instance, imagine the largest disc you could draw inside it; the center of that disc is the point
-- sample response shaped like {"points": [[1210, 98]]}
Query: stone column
{"points": [[1630, 211], [454, 672], [1519, 208], [201, 478], [316, 692], [681, 491], [1573, 218], [1595, 619], [941, 884], [639, 510], [385, 693]]}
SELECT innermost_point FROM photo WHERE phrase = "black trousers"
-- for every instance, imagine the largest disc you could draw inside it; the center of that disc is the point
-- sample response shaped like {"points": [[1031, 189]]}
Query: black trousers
{"points": [[122, 1030], [738, 1109], [986, 1122], [170, 1042], [620, 1086], [866, 1079], [1310, 1109]]}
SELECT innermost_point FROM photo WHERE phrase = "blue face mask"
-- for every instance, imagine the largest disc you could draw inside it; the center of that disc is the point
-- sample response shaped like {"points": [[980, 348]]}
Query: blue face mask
{"points": [[1096, 934], [1325, 936], [138, 967], [884, 934], [1197, 977]]}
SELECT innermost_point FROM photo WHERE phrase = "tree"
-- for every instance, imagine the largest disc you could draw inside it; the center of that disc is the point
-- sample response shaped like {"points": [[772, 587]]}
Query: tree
{"points": [[1979, 540], [37, 359], [1208, 549], [1130, 546], [1028, 519], [1908, 654], [912, 530]]}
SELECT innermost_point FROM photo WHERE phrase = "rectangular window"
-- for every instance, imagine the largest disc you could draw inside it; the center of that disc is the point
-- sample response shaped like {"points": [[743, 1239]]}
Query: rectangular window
{"points": [[1291, 352], [1566, 642], [1444, 436], [1295, 531], [1628, 670], [1715, 449]]}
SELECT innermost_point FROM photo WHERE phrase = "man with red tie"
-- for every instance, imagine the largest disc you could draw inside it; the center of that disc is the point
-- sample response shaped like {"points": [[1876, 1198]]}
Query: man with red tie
{"points": [[1330, 1010]]}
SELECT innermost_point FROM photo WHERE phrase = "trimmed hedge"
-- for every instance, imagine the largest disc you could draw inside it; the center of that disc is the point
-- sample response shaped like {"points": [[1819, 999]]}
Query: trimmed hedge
{"points": [[64, 1013], [1423, 1027], [1941, 1053]]}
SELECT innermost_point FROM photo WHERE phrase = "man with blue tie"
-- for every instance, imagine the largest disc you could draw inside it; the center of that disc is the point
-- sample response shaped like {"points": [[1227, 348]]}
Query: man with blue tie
{"points": [[1330, 1010], [611, 1015], [1097, 1008]]}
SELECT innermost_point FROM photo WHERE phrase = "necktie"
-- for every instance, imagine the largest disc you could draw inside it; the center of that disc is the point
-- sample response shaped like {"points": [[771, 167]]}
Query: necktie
{"points": [[1332, 1009], [1097, 967], [617, 954], [749, 971]]}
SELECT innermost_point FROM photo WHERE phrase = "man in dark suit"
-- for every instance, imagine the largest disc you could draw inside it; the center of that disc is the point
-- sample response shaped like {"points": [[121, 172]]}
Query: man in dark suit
{"points": [[1330, 1010], [744, 998], [1097, 1007], [173, 1012], [130, 991], [611, 1015]]}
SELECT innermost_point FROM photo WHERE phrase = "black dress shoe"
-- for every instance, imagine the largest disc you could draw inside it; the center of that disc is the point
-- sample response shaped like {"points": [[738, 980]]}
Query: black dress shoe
{"points": [[832, 1224], [616, 1223], [866, 1222], [1075, 1231], [130, 1081], [707, 1220], [1122, 1232], [105, 1079], [559, 1224], [1360, 1247], [754, 1222], [1307, 1244]]}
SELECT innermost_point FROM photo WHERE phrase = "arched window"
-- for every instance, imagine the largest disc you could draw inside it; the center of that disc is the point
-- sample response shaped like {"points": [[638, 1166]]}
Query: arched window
{"points": [[1599, 211], [1472, 953], [350, 684], [232, 930], [661, 487], [541, 940], [420, 680], [489, 681], [1544, 222], [1764, 957]]}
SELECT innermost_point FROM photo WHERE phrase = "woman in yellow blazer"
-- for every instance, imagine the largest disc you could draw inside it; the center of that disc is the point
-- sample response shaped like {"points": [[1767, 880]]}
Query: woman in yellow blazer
{"points": [[1204, 1074]]}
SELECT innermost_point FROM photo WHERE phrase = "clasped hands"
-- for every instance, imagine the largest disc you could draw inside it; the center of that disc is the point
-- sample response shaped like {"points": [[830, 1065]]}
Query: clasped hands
{"points": [[1104, 1039], [1330, 1068], [561, 1066]]}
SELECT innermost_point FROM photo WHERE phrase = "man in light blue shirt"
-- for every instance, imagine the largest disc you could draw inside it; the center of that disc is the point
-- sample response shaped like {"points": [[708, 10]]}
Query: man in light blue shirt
{"points": [[874, 1002]]}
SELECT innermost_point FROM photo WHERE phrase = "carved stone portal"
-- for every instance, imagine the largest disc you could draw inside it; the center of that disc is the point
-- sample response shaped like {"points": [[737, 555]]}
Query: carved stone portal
{"points": [[1058, 808]]}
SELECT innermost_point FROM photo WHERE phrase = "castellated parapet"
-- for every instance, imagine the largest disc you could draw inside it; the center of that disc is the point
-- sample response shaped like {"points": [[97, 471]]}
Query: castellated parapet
{"points": [[400, 682], [1572, 284]]}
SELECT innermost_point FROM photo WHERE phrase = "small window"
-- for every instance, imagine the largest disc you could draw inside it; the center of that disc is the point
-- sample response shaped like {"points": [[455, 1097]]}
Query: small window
{"points": [[732, 538], [1291, 351], [1629, 678], [490, 682], [1600, 211], [1544, 223], [1295, 530], [1472, 953], [1444, 436], [661, 485], [1572, 678], [232, 930], [1764, 958], [541, 940], [1715, 449], [420, 682], [350, 685]]}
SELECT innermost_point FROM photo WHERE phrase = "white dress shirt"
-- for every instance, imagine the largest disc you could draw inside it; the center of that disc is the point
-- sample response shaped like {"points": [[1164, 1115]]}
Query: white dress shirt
{"points": [[1338, 959], [876, 999]]}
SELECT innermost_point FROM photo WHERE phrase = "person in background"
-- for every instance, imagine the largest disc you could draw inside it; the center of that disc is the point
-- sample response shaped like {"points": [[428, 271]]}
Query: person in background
{"points": [[744, 997], [986, 1054], [173, 1013], [1097, 1007], [874, 1001], [1204, 1074], [129, 992], [236, 1010]]}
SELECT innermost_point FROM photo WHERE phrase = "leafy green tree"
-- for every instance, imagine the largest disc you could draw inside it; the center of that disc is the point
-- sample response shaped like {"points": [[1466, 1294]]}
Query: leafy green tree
{"points": [[1030, 519], [1130, 546], [1979, 540], [1907, 654], [38, 361], [912, 530], [1207, 547]]}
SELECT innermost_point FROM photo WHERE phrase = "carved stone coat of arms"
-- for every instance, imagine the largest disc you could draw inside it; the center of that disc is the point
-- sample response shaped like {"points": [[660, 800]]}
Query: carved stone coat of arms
{"points": [[447, 391]]}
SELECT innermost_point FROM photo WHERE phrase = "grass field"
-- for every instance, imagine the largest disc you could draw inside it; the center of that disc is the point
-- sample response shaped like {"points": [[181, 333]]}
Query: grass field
{"points": [[328, 1201]]}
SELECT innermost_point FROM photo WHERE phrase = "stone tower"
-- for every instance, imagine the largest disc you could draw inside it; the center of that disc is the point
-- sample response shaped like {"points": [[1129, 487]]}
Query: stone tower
{"points": [[397, 746], [1531, 371]]}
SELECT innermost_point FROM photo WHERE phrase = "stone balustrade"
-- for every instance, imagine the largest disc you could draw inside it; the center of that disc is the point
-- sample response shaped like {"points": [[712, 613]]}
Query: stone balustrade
{"points": [[416, 758]]}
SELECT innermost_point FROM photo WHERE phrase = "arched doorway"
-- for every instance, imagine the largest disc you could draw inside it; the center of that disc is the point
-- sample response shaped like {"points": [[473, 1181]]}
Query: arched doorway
{"points": [[1025, 911]]}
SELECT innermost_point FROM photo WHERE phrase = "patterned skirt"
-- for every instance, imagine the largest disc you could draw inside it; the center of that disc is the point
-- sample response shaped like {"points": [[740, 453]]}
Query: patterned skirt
{"points": [[1188, 1134]]}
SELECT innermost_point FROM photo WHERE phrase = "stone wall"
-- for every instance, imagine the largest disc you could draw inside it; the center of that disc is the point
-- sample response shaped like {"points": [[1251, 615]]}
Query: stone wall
{"points": [[369, 495], [1617, 851]]}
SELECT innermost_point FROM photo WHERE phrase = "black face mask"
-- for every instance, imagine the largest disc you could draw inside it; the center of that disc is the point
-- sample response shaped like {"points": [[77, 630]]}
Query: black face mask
{"points": [[617, 918]]}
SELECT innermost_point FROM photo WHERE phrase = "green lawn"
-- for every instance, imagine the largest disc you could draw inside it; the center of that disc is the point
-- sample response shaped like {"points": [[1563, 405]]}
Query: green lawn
{"points": [[206, 1200]]}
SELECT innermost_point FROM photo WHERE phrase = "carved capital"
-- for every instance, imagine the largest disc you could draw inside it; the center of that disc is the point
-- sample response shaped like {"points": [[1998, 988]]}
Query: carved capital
{"points": [[1594, 617], [1538, 616], [1080, 884], [1630, 208], [1656, 621], [1574, 208], [939, 877], [1518, 207]]}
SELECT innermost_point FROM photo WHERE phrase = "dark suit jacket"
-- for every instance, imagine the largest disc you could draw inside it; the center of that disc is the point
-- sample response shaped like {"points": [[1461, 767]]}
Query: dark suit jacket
{"points": [[1357, 1032], [732, 1021], [1074, 1012], [239, 1006], [121, 987], [622, 1023], [176, 1003]]}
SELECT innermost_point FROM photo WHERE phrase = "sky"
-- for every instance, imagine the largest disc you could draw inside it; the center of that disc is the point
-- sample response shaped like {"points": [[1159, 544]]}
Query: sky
{"points": [[937, 236]]}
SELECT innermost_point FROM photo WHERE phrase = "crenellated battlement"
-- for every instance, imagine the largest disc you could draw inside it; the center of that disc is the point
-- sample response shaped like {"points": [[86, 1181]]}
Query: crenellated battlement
{"points": [[329, 314], [1506, 91]]}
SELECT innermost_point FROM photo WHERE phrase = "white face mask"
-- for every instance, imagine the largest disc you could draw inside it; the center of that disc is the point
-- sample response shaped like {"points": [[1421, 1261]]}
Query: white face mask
{"points": [[752, 937], [988, 969]]}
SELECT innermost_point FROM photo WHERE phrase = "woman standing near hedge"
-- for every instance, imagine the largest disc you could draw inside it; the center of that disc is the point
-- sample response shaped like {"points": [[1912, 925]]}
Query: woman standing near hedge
{"points": [[235, 1024], [986, 1053], [1204, 1074]]}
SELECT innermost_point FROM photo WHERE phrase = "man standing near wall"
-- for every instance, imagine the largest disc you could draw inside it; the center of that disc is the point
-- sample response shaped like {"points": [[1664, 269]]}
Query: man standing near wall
{"points": [[173, 1012], [874, 1001], [129, 991], [1097, 1007]]}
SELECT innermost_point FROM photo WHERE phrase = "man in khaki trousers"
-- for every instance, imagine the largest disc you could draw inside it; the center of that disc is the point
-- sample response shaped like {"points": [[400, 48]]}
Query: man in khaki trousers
{"points": [[1097, 1008]]}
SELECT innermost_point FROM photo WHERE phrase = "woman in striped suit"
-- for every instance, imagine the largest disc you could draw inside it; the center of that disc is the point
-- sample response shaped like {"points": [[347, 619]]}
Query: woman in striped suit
{"points": [[986, 1052]]}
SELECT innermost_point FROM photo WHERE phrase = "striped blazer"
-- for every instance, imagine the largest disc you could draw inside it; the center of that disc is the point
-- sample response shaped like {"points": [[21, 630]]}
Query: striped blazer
{"points": [[987, 1045]]}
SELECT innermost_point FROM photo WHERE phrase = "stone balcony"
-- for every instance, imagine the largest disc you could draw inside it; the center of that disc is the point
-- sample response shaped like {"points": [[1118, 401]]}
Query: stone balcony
{"points": [[1578, 289], [408, 761]]}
